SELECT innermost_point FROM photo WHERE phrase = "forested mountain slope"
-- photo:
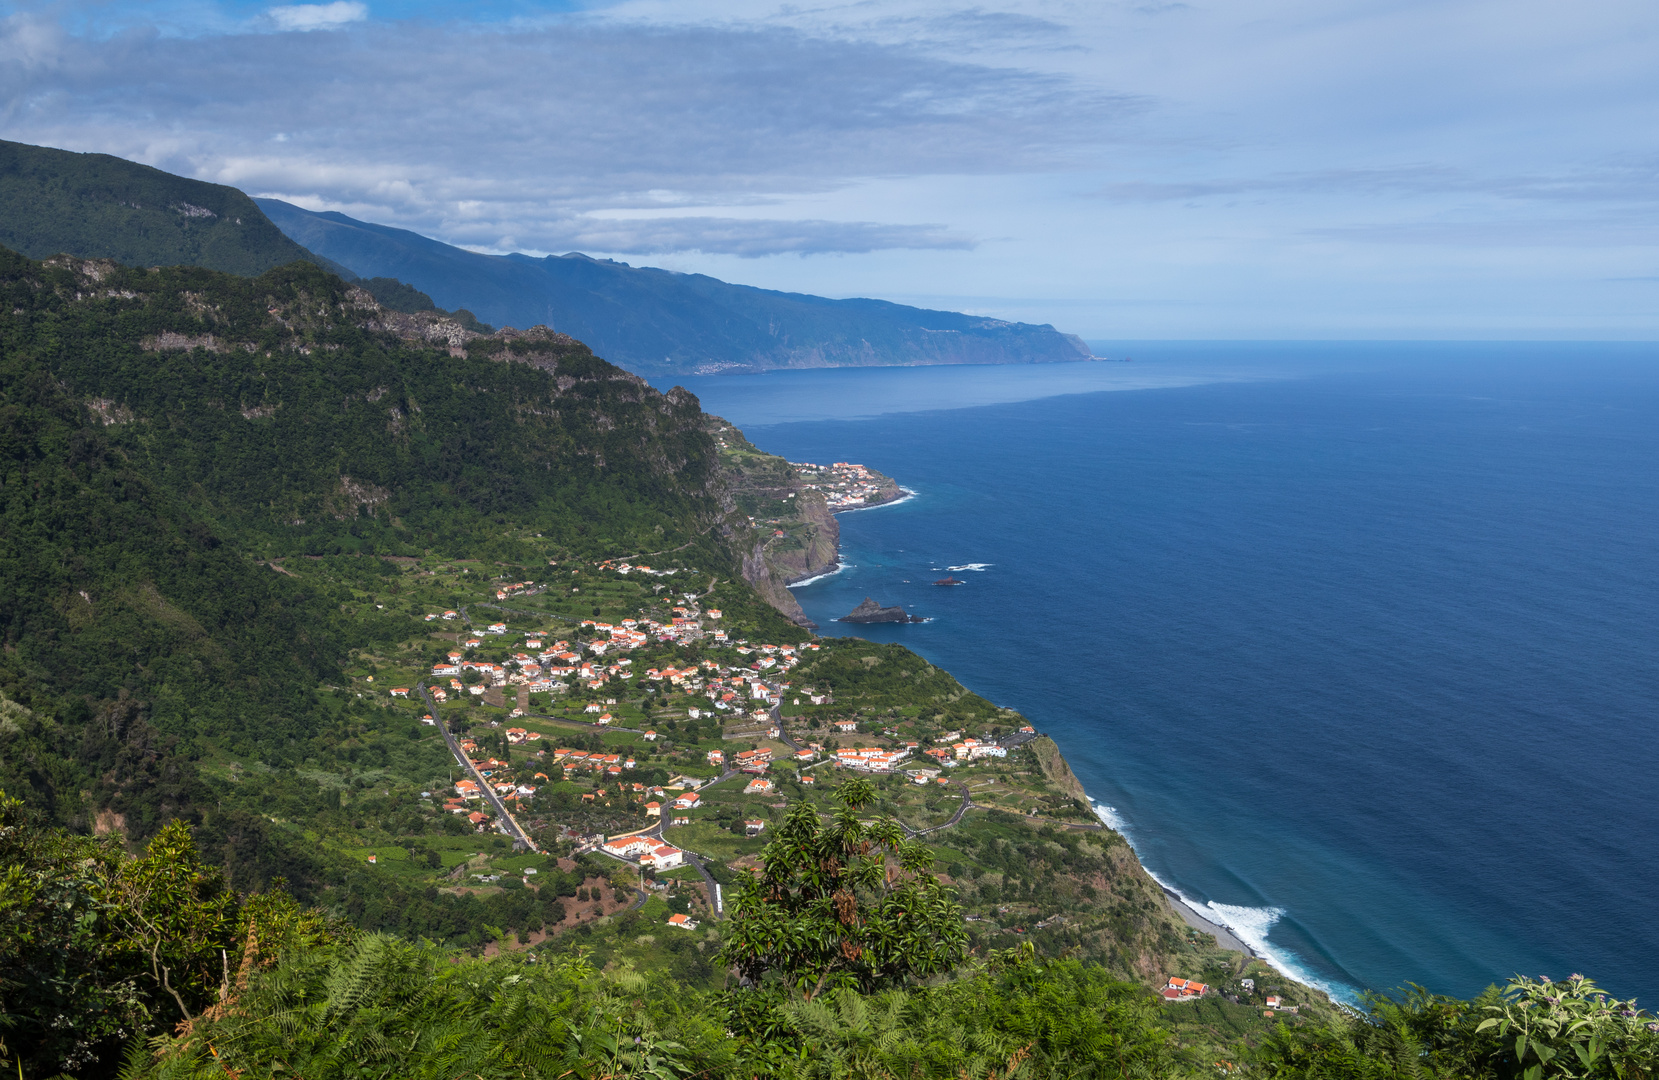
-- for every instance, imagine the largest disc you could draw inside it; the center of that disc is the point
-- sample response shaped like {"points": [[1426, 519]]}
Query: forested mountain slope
{"points": [[96, 206], [166, 433]]}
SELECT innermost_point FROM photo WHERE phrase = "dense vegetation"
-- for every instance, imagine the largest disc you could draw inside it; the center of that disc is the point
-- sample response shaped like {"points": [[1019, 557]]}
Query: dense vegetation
{"points": [[53, 202], [880, 680], [394, 295], [102, 948]]}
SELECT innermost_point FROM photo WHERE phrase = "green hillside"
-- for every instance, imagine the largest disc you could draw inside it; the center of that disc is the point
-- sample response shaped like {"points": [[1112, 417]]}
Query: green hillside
{"points": [[97, 206], [169, 434]]}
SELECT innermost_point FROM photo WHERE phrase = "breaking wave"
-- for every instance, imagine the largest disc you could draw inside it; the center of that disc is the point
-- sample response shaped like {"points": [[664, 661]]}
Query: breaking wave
{"points": [[977, 567], [820, 577], [906, 497], [1251, 925]]}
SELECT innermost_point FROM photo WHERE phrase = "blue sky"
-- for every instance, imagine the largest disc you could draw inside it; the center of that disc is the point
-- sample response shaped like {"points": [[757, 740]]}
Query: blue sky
{"points": [[1250, 169]]}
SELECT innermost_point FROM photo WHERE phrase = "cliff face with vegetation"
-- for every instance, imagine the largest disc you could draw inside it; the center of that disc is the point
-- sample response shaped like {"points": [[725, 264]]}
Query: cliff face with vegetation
{"points": [[784, 530]]}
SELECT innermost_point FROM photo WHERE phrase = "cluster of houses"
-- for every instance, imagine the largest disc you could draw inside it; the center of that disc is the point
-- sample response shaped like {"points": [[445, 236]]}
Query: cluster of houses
{"points": [[633, 568], [649, 852], [873, 759], [1184, 989], [466, 791], [965, 750], [541, 666], [749, 761], [579, 761], [843, 484], [517, 588]]}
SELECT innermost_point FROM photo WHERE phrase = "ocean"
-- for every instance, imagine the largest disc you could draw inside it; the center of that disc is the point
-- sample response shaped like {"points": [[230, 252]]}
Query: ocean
{"points": [[1355, 642]]}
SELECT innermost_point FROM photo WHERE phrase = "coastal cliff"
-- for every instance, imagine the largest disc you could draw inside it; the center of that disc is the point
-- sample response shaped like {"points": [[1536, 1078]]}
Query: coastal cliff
{"points": [[1058, 772], [781, 517]]}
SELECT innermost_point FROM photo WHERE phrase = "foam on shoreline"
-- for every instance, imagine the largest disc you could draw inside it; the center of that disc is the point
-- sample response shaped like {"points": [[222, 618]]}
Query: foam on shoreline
{"points": [[1250, 926], [840, 566], [909, 494]]}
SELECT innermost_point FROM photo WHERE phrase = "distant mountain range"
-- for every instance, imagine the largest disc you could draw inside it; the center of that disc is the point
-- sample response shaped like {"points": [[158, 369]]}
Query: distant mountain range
{"points": [[654, 322], [658, 322]]}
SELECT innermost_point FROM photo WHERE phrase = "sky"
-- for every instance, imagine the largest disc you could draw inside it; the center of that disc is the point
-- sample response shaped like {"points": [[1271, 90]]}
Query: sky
{"points": [[1146, 169]]}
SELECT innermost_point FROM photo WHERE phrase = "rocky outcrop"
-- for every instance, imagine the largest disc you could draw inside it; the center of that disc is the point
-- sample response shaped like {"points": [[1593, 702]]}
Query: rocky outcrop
{"points": [[871, 612], [1057, 771], [816, 548], [758, 573]]}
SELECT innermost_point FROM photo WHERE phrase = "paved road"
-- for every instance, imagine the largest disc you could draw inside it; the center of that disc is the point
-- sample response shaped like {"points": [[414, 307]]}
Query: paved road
{"points": [[656, 832], [708, 879], [503, 819], [967, 804], [777, 719]]}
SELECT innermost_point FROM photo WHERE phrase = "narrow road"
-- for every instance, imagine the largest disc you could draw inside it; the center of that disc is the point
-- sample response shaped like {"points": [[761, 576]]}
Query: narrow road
{"points": [[503, 818], [708, 880], [777, 720], [656, 832], [967, 804]]}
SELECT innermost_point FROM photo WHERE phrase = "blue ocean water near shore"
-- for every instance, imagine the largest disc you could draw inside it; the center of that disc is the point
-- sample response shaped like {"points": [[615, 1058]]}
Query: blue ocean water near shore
{"points": [[1356, 642]]}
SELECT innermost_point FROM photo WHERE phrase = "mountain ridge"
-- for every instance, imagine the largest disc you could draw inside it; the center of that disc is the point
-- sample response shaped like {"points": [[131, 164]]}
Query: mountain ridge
{"points": [[661, 322]]}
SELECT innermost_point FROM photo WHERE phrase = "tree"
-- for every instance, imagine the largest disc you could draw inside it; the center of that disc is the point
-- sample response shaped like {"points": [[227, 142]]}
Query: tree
{"points": [[848, 904], [99, 947]]}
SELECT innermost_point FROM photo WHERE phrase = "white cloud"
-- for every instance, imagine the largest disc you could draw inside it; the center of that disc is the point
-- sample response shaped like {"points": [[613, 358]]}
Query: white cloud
{"points": [[1262, 164], [318, 16]]}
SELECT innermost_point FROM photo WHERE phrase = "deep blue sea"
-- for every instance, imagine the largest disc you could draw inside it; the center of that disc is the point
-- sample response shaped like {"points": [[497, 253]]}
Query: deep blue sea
{"points": [[1356, 643]]}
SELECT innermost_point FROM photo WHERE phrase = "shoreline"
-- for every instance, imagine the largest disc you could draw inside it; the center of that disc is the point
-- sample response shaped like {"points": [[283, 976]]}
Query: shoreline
{"points": [[1223, 936], [905, 495]]}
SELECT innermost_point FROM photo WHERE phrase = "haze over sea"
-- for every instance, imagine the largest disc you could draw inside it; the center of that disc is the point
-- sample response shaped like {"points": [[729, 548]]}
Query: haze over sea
{"points": [[1356, 642]]}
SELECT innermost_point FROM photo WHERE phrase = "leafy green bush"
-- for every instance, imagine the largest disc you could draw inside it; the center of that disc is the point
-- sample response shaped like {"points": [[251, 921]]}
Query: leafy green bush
{"points": [[1532, 1029], [852, 904]]}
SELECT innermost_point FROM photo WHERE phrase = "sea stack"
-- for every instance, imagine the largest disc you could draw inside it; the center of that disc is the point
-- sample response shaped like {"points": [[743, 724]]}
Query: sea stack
{"points": [[871, 612]]}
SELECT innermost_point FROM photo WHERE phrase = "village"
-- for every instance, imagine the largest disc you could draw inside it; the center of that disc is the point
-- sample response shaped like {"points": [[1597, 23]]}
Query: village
{"points": [[846, 486], [670, 747], [622, 728], [745, 699]]}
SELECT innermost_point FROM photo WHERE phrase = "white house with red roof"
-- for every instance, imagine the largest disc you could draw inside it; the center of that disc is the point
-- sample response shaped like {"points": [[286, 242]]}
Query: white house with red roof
{"points": [[1183, 989]]}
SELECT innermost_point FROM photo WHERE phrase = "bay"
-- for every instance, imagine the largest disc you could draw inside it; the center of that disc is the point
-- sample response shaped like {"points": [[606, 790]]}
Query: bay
{"points": [[1355, 642]]}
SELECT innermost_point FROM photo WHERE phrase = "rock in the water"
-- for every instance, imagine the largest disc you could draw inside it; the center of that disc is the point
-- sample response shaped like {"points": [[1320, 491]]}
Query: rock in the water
{"points": [[871, 612]]}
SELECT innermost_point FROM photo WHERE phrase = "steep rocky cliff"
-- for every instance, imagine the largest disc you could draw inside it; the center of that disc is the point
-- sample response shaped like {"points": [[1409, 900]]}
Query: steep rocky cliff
{"points": [[783, 529]]}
